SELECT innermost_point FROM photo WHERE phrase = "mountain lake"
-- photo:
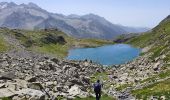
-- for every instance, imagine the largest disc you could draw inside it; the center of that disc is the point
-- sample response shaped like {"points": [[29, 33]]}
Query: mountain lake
{"points": [[106, 55]]}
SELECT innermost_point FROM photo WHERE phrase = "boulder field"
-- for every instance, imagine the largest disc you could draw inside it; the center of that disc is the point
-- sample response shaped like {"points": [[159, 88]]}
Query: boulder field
{"points": [[45, 78]]}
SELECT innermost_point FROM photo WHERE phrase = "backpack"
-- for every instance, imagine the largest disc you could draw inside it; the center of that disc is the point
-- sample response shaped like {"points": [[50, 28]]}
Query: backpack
{"points": [[97, 87]]}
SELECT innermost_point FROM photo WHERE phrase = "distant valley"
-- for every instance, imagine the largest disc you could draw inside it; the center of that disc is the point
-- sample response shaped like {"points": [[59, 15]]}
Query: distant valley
{"points": [[31, 17]]}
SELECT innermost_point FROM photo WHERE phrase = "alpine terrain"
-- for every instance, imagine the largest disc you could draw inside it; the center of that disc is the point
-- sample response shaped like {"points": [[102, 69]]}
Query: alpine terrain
{"points": [[34, 44]]}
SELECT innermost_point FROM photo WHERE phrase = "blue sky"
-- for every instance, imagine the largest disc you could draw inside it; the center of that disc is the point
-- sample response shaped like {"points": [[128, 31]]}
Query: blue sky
{"points": [[138, 13]]}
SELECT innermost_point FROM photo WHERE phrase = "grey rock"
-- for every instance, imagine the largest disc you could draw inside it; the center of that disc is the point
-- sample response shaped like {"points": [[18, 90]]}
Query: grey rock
{"points": [[7, 76]]}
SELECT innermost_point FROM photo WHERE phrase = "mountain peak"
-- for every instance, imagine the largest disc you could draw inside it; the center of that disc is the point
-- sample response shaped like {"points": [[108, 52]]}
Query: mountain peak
{"points": [[33, 5], [2, 3], [30, 5], [6, 4], [93, 17]]}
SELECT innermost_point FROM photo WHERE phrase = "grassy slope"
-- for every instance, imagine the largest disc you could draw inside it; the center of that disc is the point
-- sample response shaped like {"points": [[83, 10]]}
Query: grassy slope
{"points": [[58, 50], [158, 89], [159, 38], [3, 45], [160, 35]]}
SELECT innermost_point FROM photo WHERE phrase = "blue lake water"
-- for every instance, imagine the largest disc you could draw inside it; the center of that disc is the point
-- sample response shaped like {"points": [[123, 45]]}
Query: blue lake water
{"points": [[106, 55]]}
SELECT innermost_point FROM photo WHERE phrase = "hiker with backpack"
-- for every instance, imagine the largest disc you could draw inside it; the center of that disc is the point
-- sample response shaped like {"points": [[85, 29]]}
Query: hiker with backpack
{"points": [[97, 89]]}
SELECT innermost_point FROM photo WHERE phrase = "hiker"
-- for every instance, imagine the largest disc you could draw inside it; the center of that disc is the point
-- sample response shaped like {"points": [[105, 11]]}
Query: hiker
{"points": [[97, 89]]}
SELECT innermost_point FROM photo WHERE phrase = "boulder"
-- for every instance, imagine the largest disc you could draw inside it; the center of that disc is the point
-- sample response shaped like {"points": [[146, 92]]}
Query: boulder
{"points": [[2, 86], [55, 60], [85, 79], [32, 79], [54, 39], [163, 98], [6, 92], [52, 67], [156, 66], [7, 76], [36, 86], [76, 81], [76, 91], [58, 88], [32, 93]]}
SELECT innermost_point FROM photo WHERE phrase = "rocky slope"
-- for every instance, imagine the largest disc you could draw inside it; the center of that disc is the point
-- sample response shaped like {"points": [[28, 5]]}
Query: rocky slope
{"points": [[31, 16], [44, 78], [147, 77]]}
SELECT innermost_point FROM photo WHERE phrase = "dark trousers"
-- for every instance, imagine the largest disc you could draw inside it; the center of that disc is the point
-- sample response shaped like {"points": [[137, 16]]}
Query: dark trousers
{"points": [[98, 95]]}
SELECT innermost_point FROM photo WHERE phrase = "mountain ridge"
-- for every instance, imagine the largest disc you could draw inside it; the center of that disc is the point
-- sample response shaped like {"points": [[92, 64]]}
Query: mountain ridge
{"points": [[85, 26]]}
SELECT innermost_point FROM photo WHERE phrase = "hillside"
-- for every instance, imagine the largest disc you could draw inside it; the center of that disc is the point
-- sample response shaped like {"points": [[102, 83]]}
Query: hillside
{"points": [[48, 41], [156, 45], [151, 70], [158, 40], [30, 17]]}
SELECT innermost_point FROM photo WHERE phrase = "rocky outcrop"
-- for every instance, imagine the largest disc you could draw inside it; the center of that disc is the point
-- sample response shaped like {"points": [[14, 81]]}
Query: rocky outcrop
{"points": [[52, 38], [126, 77]]}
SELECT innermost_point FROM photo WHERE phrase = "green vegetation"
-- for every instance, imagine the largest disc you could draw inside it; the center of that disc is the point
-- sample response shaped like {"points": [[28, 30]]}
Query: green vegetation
{"points": [[161, 75], [101, 76], [3, 45], [104, 97], [157, 51], [150, 79], [50, 41], [94, 42], [158, 38], [158, 89], [123, 86], [159, 35], [59, 98], [167, 58], [164, 74], [55, 50], [140, 41], [5, 98]]}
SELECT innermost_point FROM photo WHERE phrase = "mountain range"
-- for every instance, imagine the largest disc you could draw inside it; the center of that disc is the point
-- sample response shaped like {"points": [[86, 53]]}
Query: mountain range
{"points": [[31, 16]]}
